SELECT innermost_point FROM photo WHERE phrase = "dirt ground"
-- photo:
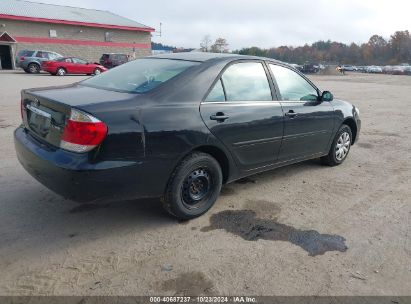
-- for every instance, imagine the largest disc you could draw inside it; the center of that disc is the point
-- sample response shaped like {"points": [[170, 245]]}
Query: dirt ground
{"points": [[305, 229]]}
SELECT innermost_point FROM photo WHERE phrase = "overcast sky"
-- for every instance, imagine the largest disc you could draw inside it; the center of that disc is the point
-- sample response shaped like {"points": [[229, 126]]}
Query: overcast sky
{"points": [[262, 23]]}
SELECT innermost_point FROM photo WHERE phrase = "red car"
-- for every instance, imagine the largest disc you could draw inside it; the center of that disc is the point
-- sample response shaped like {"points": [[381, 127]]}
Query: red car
{"points": [[71, 65]]}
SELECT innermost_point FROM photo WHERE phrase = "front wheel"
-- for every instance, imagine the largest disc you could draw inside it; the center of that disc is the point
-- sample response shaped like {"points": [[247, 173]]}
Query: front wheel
{"points": [[97, 71], [340, 147], [194, 186]]}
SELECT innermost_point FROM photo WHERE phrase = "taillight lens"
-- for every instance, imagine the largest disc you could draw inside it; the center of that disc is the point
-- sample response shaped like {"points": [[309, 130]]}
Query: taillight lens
{"points": [[22, 58], [83, 132], [22, 109]]}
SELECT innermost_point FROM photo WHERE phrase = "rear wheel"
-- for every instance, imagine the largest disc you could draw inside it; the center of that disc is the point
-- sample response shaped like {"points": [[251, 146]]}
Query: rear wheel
{"points": [[340, 147], [61, 72], [33, 68], [193, 187]]}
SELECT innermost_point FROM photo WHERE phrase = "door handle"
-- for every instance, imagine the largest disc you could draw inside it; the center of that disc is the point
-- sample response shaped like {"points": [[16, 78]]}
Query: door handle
{"points": [[291, 114], [219, 116]]}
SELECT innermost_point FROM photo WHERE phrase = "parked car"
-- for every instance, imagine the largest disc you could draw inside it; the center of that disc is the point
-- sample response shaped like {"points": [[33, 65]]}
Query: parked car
{"points": [[349, 68], [72, 65], [30, 60], [178, 126], [310, 68], [407, 70], [387, 69], [374, 69], [398, 70], [112, 60]]}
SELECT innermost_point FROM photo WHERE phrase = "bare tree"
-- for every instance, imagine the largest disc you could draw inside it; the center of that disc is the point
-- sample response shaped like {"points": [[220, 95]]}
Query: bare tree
{"points": [[220, 46], [205, 43]]}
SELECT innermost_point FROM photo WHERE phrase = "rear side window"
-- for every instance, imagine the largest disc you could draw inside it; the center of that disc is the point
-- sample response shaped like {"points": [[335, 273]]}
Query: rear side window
{"points": [[139, 76], [53, 55], [246, 82], [292, 86], [217, 93], [26, 53]]}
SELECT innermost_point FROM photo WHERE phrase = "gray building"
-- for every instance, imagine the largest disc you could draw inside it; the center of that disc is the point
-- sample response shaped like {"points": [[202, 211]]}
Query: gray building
{"points": [[70, 31]]}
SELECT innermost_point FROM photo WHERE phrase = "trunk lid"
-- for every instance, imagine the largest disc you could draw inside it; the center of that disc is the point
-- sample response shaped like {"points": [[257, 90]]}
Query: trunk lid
{"points": [[45, 111]]}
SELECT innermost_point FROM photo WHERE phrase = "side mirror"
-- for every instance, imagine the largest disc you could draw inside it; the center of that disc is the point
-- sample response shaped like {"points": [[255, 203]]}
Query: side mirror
{"points": [[327, 96]]}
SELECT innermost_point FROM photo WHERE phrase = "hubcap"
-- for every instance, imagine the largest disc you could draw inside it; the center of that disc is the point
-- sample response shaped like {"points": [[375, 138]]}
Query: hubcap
{"points": [[343, 146], [96, 72], [61, 72], [196, 187]]}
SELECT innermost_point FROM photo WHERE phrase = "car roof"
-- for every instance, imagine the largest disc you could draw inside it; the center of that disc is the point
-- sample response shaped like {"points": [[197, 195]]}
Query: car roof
{"points": [[203, 56]]}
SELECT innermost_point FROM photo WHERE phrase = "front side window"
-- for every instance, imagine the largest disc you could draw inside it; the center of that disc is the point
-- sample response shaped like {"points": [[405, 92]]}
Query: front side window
{"points": [[80, 61], [292, 86], [246, 81], [139, 76], [217, 93]]}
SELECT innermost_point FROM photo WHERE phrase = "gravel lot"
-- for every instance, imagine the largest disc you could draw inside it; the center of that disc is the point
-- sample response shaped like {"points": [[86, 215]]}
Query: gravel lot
{"points": [[349, 226]]}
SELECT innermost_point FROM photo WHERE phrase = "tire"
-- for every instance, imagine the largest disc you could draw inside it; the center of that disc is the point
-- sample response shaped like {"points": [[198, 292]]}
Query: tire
{"points": [[97, 71], [61, 72], [193, 187], [26, 70], [340, 147], [33, 68]]}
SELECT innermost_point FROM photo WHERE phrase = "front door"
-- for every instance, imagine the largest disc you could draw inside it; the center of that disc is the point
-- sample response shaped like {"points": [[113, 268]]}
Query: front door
{"points": [[308, 122], [240, 111], [80, 66]]}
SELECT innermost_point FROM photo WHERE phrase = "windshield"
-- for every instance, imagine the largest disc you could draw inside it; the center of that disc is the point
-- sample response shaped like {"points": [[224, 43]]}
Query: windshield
{"points": [[139, 76]]}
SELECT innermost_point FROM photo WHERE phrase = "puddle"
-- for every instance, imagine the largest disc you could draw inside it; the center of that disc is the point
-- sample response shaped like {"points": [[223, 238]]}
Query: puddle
{"points": [[245, 224], [365, 145], [189, 284], [87, 207]]}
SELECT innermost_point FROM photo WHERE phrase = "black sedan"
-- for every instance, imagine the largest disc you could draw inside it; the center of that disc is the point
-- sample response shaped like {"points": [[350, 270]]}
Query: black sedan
{"points": [[178, 127]]}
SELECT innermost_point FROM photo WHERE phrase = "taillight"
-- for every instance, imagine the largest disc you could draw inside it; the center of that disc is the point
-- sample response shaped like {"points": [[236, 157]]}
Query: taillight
{"points": [[22, 58], [83, 132], [22, 109]]}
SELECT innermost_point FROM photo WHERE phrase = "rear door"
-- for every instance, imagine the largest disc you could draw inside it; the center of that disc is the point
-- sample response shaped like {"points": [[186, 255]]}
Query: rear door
{"points": [[242, 111], [308, 122]]}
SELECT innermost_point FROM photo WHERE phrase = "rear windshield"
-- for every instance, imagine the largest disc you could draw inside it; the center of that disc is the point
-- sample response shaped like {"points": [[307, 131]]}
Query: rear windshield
{"points": [[139, 76], [26, 53]]}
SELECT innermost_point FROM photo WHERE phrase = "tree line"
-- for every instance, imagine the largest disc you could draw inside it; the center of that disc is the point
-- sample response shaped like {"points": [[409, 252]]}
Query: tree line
{"points": [[377, 51]]}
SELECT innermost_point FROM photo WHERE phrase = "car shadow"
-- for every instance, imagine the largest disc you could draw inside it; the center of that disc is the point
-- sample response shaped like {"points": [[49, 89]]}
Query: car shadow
{"points": [[34, 221], [34, 216]]}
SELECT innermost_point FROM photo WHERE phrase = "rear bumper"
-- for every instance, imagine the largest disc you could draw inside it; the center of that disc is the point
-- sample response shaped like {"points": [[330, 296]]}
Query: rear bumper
{"points": [[75, 177]]}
